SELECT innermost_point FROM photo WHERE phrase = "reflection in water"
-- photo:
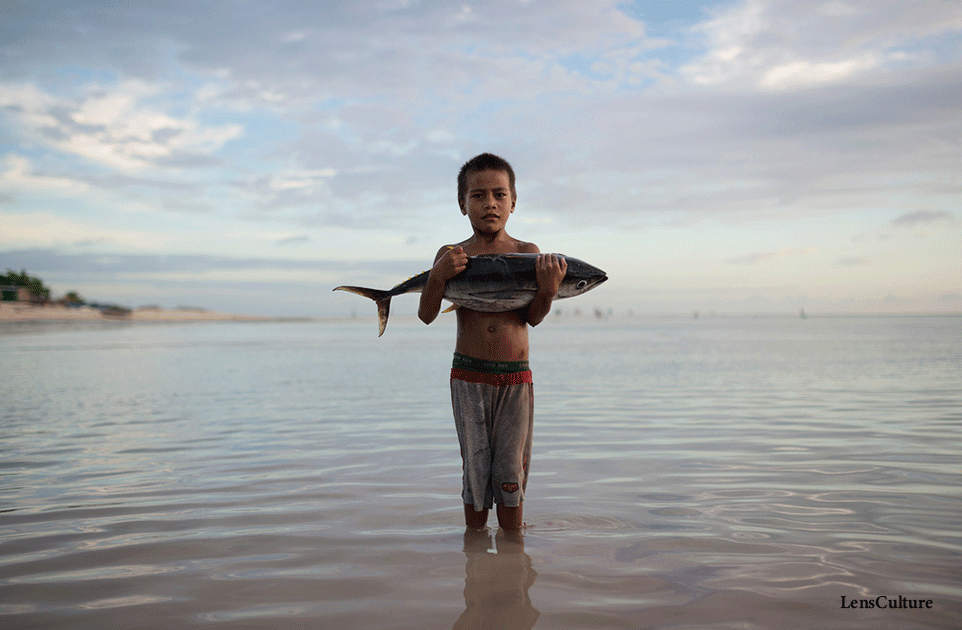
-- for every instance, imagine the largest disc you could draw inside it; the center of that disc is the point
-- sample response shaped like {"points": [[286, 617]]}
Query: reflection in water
{"points": [[496, 582]]}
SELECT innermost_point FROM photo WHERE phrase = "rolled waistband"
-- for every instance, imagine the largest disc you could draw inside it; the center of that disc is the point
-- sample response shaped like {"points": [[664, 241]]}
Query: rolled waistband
{"points": [[474, 370], [513, 378]]}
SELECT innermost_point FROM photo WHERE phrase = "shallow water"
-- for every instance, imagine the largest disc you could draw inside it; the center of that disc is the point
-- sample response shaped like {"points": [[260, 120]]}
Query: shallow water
{"points": [[711, 472]]}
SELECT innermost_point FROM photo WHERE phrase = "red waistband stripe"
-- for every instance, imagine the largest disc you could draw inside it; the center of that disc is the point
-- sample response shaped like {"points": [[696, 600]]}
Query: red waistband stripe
{"points": [[513, 378]]}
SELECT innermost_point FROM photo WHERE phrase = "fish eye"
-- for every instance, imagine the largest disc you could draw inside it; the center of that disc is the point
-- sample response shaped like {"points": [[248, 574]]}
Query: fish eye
{"points": [[581, 284]]}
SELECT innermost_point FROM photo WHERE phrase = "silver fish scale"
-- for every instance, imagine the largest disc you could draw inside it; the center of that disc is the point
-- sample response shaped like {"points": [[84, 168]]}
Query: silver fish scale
{"points": [[494, 283]]}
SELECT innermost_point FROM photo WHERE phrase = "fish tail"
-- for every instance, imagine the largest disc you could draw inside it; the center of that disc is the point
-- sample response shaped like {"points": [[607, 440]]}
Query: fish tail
{"points": [[381, 298]]}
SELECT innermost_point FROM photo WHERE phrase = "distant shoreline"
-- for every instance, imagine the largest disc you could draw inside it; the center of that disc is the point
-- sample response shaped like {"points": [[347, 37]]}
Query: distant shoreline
{"points": [[15, 311]]}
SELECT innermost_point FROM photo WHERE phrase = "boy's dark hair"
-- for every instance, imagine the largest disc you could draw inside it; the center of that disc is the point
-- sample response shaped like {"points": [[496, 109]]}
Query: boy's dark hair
{"points": [[484, 162]]}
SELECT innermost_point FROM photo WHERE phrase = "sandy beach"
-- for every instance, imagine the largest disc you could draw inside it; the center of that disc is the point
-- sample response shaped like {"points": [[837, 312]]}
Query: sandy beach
{"points": [[19, 311]]}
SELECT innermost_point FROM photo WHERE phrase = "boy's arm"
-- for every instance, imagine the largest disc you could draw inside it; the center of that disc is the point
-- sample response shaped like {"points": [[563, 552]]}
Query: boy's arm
{"points": [[449, 262], [550, 270]]}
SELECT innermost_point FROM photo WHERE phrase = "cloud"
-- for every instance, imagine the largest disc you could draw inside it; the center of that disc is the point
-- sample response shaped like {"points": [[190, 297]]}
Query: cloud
{"points": [[792, 44], [327, 120], [51, 229], [112, 125], [294, 240], [115, 265], [283, 51], [239, 284], [20, 174], [851, 262], [925, 218], [252, 127], [754, 259], [750, 154]]}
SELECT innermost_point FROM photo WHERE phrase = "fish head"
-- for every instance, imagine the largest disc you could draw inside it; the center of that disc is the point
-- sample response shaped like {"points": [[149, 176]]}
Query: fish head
{"points": [[580, 278]]}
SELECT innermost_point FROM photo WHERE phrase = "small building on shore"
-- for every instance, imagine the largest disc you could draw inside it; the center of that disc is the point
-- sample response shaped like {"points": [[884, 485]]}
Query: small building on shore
{"points": [[13, 293]]}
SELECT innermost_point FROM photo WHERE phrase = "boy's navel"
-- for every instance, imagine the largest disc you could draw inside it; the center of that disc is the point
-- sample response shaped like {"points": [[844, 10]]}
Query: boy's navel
{"points": [[491, 329]]}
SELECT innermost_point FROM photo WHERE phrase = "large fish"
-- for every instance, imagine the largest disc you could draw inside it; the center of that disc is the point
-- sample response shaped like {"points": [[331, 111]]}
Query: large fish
{"points": [[491, 282]]}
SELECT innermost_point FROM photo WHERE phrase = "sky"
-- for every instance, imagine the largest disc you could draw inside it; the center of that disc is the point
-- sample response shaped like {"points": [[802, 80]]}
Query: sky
{"points": [[745, 156]]}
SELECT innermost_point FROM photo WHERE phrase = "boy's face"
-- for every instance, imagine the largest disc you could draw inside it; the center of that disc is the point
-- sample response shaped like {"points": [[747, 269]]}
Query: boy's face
{"points": [[488, 201]]}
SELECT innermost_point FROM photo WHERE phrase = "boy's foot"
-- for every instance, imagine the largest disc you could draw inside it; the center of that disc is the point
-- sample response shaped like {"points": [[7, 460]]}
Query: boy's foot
{"points": [[475, 520]]}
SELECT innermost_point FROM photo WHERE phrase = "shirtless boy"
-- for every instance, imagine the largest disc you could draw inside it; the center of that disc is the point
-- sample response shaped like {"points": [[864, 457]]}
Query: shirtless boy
{"points": [[491, 388]]}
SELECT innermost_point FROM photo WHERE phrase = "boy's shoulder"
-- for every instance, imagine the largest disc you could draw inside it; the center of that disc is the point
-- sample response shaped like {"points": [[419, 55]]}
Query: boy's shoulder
{"points": [[509, 246], [527, 248]]}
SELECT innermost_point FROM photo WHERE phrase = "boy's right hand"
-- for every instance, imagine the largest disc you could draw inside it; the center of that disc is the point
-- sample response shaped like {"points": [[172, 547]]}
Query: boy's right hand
{"points": [[450, 264]]}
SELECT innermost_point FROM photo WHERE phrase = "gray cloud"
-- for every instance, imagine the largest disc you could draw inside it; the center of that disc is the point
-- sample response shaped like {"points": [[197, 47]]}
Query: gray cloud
{"points": [[752, 259], [743, 152], [49, 260], [924, 217], [340, 46], [367, 106], [851, 262], [134, 279], [294, 240]]}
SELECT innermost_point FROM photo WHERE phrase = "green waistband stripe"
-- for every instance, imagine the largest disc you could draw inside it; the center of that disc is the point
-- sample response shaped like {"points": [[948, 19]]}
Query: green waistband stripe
{"points": [[472, 364]]}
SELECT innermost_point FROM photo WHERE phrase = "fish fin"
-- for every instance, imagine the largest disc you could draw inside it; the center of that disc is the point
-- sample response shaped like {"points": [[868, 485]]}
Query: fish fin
{"points": [[451, 308], [381, 298]]}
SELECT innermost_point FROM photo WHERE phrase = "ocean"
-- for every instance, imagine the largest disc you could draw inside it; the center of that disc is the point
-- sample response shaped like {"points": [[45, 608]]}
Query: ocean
{"points": [[711, 472]]}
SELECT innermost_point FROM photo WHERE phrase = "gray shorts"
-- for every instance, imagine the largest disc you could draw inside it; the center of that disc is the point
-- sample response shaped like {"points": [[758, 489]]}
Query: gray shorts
{"points": [[495, 426]]}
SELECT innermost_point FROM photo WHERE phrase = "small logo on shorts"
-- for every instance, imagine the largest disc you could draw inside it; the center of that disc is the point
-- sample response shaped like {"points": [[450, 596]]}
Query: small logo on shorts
{"points": [[509, 487]]}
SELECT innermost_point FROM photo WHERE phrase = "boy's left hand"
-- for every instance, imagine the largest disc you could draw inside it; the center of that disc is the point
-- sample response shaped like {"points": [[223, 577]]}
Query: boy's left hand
{"points": [[550, 270]]}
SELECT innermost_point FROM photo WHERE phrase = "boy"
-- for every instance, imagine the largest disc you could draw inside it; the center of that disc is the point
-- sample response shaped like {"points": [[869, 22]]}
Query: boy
{"points": [[491, 386]]}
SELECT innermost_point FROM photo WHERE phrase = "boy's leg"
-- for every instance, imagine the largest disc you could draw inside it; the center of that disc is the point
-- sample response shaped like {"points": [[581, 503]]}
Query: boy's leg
{"points": [[513, 430], [509, 517], [470, 418], [477, 520]]}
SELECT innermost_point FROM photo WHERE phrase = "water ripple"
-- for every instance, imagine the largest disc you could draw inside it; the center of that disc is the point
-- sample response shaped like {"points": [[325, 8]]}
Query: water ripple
{"points": [[726, 473]]}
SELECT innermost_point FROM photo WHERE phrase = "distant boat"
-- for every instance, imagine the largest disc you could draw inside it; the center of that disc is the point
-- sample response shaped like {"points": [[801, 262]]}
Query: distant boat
{"points": [[801, 313]]}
